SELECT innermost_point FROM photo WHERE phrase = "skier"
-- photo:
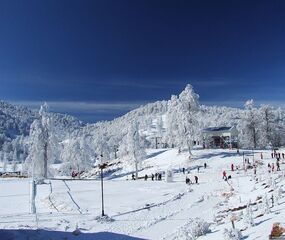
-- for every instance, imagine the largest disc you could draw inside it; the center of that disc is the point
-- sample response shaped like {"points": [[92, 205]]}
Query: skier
{"points": [[269, 167], [187, 180], [152, 176], [272, 167], [198, 168], [272, 155], [225, 175], [145, 177], [232, 167], [205, 165], [156, 175], [278, 166], [183, 169], [283, 155], [261, 156], [73, 174], [133, 177], [196, 180], [159, 176]]}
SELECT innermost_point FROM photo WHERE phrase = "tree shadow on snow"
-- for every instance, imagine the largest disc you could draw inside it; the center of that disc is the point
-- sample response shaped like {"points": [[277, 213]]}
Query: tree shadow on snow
{"points": [[156, 153], [218, 154], [265, 220], [41, 234]]}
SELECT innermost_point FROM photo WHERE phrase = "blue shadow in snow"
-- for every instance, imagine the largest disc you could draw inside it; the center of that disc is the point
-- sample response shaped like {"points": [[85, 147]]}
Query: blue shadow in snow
{"points": [[41, 234], [156, 153]]}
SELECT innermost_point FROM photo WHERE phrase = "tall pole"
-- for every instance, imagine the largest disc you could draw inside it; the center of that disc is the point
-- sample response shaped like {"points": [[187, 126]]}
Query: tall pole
{"points": [[102, 195], [243, 160]]}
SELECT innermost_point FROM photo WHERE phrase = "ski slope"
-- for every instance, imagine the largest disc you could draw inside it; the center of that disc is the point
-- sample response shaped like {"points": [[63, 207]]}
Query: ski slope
{"points": [[148, 209]]}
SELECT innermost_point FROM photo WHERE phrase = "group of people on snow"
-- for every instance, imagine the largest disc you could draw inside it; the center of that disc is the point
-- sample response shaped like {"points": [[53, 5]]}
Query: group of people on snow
{"points": [[156, 177], [188, 180]]}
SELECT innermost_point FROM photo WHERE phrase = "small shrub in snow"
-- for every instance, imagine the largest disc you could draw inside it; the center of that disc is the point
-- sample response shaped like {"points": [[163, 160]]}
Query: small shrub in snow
{"points": [[248, 218], [193, 229], [265, 204], [232, 234]]}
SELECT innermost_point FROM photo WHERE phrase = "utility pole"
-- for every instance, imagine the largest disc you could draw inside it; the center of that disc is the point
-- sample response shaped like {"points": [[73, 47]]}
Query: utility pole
{"points": [[102, 166]]}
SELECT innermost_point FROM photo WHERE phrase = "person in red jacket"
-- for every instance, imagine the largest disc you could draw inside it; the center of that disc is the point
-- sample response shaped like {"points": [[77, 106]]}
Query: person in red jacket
{"points": [[224, 175]]}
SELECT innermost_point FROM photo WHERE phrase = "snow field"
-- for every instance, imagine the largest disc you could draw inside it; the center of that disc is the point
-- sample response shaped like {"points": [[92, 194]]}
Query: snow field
{"points": [[151, 209]]}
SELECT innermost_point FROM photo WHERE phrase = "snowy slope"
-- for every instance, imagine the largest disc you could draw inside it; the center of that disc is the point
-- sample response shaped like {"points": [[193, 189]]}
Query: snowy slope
{"points": [[150, 209]]}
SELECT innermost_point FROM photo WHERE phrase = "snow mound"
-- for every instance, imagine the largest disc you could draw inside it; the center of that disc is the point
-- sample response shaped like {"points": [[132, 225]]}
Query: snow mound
{"points": [[104, 219]]}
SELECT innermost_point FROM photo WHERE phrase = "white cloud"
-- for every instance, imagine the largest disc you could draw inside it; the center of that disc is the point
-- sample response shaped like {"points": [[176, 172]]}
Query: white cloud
{"points": [[82, 107]]}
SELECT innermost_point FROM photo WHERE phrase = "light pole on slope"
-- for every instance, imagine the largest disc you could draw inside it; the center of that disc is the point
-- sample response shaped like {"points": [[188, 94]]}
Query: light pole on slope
{"points": [[102, 166]]}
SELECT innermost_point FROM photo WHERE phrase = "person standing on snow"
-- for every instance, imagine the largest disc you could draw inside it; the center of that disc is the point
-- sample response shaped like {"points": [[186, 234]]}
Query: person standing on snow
{"points": [[269, 167], [232, 167], [278, 166], [261, 156], [205, 165], [225, 175], [187, 180], [196, 180]]}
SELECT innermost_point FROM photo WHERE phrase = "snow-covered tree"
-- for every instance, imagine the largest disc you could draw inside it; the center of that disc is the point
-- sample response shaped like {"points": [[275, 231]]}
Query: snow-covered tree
{"points": [[77, 155], [136, 146], [172, 122], [247, 216], [232, 234], [267, 124], [187, 108], [248, 126], [43, 148], [5, 162]]}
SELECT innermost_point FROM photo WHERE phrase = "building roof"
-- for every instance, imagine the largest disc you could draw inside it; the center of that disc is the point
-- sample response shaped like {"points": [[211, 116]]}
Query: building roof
{"points": [[216, 129]]}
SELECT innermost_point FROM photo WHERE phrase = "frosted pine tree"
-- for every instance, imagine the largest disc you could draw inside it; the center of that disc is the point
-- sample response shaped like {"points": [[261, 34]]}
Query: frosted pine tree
{"points": [[248, 126], [43, 145], [136, 147], [188, 125], [172, 121], [5, 162]]}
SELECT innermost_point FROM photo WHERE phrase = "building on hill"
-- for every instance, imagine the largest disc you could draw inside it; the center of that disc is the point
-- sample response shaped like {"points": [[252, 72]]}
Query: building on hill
{"points": [[220, 137]]}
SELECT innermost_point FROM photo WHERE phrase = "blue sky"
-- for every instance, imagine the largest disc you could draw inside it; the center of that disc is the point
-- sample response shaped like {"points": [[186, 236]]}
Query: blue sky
{"points": [[99, 59]]}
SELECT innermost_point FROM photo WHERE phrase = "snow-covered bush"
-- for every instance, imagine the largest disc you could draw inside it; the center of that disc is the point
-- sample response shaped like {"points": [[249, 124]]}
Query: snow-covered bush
{"points": [[265, 203], [193, 229], [248, 218], [232, 234]]}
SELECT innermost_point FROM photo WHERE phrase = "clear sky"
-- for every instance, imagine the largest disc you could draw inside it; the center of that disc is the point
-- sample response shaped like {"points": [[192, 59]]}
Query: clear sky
{"points": [[98, 59]]}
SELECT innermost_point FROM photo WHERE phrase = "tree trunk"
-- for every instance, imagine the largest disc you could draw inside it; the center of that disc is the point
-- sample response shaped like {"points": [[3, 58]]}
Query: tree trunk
{"points": [[136, 167], [45, 160]]}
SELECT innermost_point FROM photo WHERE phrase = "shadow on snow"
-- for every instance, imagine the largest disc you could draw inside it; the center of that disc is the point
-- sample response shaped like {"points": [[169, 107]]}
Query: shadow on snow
{"points": [[42, 234]]}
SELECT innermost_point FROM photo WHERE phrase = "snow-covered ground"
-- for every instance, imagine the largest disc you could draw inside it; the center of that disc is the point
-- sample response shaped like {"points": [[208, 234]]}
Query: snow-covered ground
{"points": [[150, 209]]}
